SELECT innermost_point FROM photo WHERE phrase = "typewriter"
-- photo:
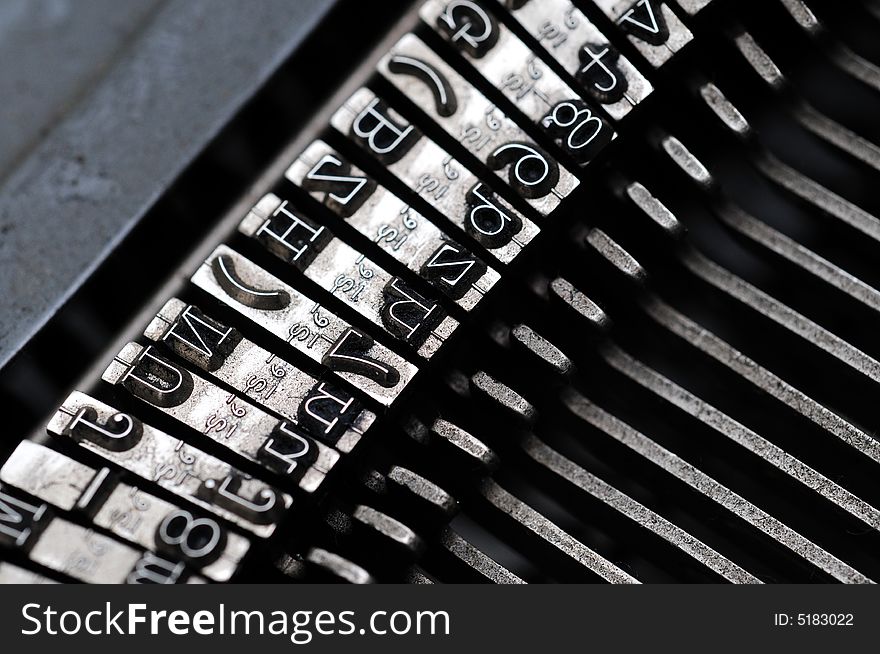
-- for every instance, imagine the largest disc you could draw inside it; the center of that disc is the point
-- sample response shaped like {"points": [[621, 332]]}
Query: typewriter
{"points": [[507, 291]]}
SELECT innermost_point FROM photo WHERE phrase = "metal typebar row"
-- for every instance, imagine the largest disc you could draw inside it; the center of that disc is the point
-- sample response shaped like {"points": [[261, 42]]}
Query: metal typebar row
{"points": [[216, 427]]}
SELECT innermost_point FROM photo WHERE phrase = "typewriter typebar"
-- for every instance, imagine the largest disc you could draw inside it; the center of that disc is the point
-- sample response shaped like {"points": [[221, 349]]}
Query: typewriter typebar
{"points": [[386, 220], [13, 574], [650, 25], [279, 445], [473, 120], [510, 65], [331, 415], [127, 511], [169, 462], [81, 553], [507, 291], [425, 167], [585, 52], [305, 324], [387, 301]]}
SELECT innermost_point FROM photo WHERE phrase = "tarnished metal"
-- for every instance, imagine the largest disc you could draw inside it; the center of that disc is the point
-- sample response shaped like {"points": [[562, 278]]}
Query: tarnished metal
{"points": [[622, 260], [426, 492], [171, 463], [392, 224], [387, 528], [761, 377], [742, 435], [563, 291], [127, 511], [322, 410], [782, 314], [650, 25], [388, 301], [654, 209], [724, 109], [470, 447], [686, 161], [646, 495], [642, 515], [484, 385], [477, 123], [451, 188], [512, 67], [78, 552], [338, 567], [307, 326], [477, 560], [523, 337], [13, 574], [233, 422], [708, 486], [543, 528], [585, 52], [806, 114]]}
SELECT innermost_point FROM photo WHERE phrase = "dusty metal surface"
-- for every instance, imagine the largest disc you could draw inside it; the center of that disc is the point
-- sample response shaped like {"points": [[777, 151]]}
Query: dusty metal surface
{"points": [[179, 79], [53, 53]]}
